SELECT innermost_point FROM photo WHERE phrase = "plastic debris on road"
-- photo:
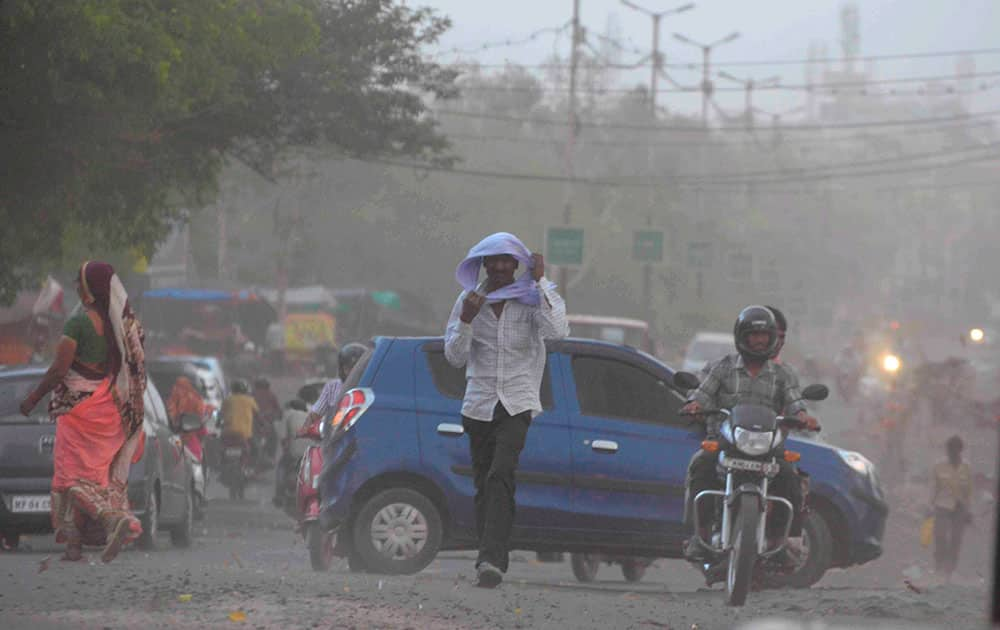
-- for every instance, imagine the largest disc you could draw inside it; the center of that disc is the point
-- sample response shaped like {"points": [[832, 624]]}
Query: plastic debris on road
{"points": [[237, 616]]}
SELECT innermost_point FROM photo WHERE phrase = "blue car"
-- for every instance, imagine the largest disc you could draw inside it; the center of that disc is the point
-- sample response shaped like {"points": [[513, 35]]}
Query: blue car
{"points": [[602, 472]]}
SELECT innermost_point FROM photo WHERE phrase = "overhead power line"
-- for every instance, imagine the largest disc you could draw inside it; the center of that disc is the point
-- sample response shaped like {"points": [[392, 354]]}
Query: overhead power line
{"points": [[506, 43], [692, 129], [644, 61], [807, 87], [698, 184]]}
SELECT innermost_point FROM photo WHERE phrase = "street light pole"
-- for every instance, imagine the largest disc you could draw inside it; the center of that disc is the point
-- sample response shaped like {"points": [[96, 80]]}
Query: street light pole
{"points": [[749, 85], [706, 56], [657, 64], [654, 77]]}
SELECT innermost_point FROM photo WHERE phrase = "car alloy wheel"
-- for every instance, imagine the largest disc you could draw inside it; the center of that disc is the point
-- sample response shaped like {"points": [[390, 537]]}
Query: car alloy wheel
{"points": [[397, 531]]}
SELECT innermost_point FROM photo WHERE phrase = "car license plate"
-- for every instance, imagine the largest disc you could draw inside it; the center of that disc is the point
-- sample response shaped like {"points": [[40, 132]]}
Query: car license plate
{"points": [[234, 451], [768, 468], [31, 503]]}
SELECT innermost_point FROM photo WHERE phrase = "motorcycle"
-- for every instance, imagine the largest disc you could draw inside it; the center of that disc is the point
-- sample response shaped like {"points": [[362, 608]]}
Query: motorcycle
{"points": [[236, 466], [321, 542], [751, 438]]}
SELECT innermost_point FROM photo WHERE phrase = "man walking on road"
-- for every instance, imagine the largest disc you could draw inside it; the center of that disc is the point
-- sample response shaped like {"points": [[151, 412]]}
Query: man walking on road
{"points": [[503, 350]]}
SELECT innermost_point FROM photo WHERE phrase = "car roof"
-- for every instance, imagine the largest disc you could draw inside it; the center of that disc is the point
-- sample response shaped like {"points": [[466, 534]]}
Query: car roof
{"points": [[608, 321], [570, 345]]}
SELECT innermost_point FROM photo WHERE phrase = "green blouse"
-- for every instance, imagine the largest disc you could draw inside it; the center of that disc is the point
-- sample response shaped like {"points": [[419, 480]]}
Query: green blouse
{"points": [[90, 347]]}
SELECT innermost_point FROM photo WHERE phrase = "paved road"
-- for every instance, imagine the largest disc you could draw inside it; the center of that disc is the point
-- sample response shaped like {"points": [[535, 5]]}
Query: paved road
{"points": [[247, 561]]}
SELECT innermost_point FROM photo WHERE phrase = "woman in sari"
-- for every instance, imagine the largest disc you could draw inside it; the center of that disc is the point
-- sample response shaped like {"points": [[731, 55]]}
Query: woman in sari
{"points": [[97, 382]]}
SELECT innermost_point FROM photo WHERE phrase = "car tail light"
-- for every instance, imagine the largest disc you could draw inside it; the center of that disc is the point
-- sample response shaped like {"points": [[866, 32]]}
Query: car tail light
{"points": [[351, 406]]}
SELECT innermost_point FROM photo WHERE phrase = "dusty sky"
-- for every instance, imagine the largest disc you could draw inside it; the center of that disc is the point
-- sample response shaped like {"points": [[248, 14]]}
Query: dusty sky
{"points": [[771, 29]]}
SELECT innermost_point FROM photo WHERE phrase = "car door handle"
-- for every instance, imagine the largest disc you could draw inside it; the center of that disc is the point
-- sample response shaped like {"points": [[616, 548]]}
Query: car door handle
{"points": [[448, 428], [605, 446]]}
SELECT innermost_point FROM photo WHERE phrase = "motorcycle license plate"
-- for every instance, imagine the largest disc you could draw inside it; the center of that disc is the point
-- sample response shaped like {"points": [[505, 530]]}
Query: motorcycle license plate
{"points": [[767, 468], [234, 451], [36, 503]]}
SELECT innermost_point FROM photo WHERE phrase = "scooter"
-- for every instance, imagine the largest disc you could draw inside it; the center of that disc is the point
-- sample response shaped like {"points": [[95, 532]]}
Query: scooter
{"points": [[193, 426], [321, 542], [751, 438]]}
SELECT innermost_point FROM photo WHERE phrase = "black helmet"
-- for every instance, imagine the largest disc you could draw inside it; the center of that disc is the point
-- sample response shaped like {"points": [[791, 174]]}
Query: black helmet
{"points": [[240, 386], [349, 356], [755, 319]]}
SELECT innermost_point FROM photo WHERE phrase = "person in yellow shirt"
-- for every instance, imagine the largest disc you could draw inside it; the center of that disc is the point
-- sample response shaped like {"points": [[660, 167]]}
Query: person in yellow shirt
{"points": [[239, 412], [951, 496]]}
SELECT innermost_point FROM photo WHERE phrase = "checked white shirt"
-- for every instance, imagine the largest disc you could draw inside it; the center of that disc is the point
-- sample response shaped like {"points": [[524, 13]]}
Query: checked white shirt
{"points": [[504, 357]]}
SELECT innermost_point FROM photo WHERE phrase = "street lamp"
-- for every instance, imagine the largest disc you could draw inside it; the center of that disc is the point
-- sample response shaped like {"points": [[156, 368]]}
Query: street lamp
{"points": [[656, 16], [706, 83], [749, 85]]}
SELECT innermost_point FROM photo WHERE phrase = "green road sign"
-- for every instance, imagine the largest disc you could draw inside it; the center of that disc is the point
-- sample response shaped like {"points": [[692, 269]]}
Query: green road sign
{"points": [[564, 246], [647, 246]]}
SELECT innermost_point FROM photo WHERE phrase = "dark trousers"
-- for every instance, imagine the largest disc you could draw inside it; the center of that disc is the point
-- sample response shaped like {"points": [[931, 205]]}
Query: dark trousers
{"points": [[949, 525], [702, 475], [496, 447]]}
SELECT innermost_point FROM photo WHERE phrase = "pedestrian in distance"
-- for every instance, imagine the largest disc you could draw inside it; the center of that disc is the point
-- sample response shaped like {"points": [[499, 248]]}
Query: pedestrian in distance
{"points": [[502, 348], [97, 380], [951, 495]]}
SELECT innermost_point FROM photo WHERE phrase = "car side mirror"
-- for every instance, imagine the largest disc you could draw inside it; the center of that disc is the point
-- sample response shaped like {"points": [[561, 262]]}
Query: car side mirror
{"points": [[815, 392], [686, 380], [190, 422]]}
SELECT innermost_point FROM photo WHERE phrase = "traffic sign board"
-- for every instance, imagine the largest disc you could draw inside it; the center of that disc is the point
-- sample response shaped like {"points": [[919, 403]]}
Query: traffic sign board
{"points": [[647, 246], [564, 246]]}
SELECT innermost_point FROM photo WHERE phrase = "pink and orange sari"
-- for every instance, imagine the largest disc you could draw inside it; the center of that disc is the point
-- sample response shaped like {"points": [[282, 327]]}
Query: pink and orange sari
{"points": [[99, 430]]}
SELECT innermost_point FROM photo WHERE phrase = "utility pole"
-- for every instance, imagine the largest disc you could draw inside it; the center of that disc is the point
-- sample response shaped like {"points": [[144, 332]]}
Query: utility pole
{"points": [[749, 85], [707, 87], [654, 77], [574, 60]]}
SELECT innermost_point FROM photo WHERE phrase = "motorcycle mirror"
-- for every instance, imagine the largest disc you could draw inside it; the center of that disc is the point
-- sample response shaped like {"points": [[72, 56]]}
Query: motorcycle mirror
{"points": [[815, 391], [190, 422], [686, 380]]}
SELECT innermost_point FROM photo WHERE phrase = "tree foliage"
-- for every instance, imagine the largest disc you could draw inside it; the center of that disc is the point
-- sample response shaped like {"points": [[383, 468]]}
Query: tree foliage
{"points": [[118, 114]]}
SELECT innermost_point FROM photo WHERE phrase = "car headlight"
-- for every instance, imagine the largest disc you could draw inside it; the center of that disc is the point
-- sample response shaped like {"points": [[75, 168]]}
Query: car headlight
{"points": [[753, 442], [856, 460]]}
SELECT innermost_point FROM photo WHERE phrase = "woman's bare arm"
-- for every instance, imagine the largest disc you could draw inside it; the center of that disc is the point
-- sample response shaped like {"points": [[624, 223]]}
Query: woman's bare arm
{"points": [[65, 351]]}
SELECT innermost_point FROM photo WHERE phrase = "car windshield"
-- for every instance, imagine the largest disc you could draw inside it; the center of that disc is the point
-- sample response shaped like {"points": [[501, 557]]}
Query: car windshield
{"points": [[12, 391]]}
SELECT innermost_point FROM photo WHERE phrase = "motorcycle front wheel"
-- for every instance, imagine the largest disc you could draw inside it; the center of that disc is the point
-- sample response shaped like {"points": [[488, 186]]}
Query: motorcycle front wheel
{"points": [[743, 553]]}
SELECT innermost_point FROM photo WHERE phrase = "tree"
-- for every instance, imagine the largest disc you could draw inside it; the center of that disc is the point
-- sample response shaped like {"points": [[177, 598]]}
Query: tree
{"points": [[117, 114]]}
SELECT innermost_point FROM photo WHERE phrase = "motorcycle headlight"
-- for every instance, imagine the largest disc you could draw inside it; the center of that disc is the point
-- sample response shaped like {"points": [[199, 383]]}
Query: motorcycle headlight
{"points": [[857, 461], [753, 442]]}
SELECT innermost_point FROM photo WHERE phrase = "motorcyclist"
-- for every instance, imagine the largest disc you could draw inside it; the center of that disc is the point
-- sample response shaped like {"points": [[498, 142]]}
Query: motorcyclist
{"points": [[748, 376], [239, 412], [329, 398], [850, 364], [292, 420], [185, 399], [270, 413]]}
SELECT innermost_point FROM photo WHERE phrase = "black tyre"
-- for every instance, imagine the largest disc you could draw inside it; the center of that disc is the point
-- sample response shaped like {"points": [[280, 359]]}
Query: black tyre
{"points": [[743, 553], [150, 521], [397, 531], [182, 533], [633, 569], [816, 557], [585, 566], [321, 544]]}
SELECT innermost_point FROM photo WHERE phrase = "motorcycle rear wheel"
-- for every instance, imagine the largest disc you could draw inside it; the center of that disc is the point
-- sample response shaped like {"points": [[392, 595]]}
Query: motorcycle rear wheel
{"points": [[743, 553]]}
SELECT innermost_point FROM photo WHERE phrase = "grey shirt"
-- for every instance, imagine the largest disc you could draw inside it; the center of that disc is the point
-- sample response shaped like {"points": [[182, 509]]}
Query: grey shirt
{"points": [[729, 383]]}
